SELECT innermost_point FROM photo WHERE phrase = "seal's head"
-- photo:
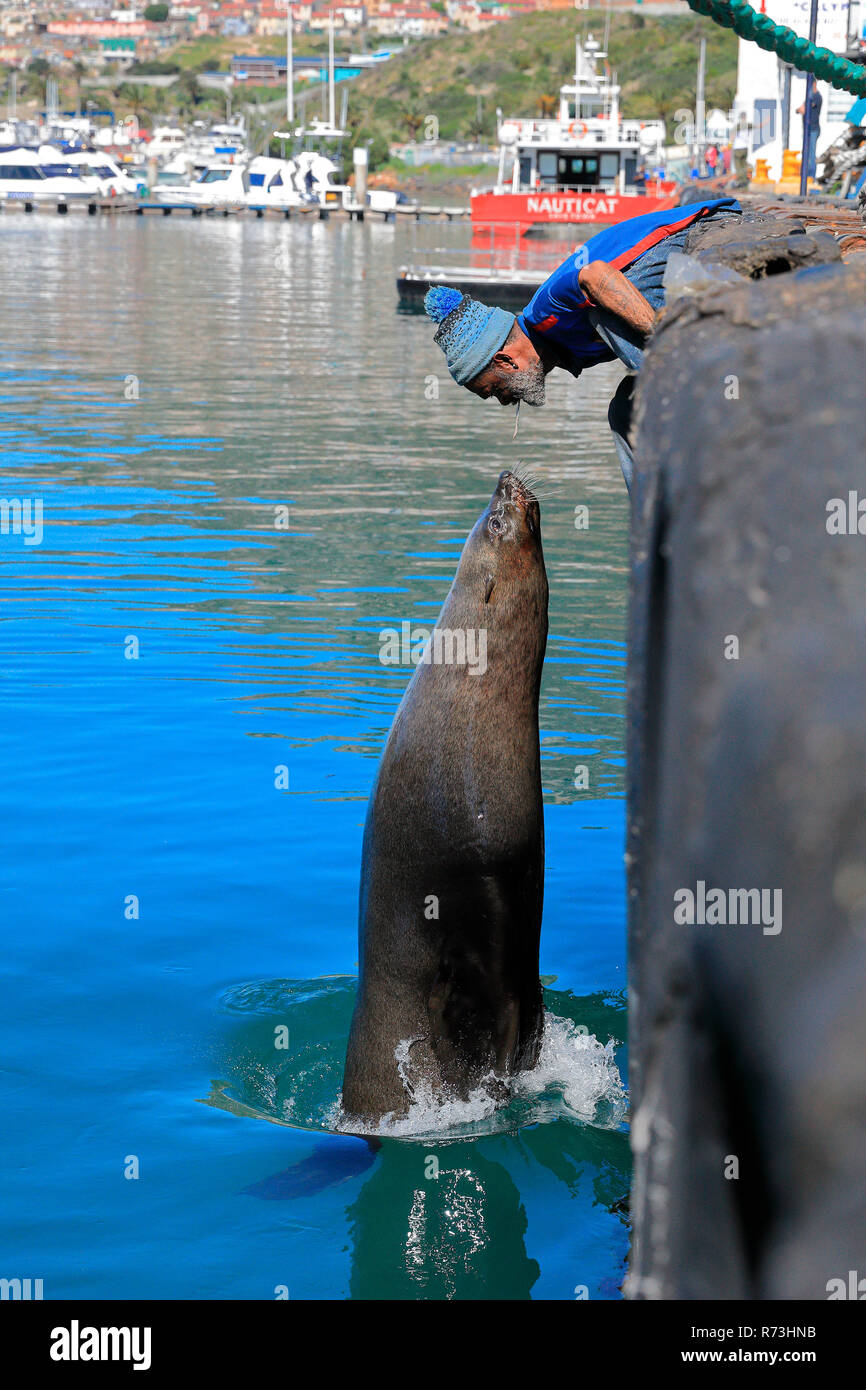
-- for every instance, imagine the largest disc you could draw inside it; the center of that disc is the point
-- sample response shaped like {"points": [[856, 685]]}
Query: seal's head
{"points": [[513, 516], [502, 565]]}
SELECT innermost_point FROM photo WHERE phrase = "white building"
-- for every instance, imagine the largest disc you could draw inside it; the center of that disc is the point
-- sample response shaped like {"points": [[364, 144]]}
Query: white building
{"points": [[767, 97]]}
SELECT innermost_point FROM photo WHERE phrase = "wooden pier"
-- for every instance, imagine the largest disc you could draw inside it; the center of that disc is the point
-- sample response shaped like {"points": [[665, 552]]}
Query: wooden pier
{"points": [[143, 208]]}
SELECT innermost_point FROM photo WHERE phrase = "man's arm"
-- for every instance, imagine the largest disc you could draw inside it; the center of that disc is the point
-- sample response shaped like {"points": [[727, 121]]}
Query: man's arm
{"points": [[609, 289]]}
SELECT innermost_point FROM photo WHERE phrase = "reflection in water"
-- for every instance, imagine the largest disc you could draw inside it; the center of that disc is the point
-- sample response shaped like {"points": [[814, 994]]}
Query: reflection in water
{"points": [[438, 1217], [446, 1221], [439, 1225]]}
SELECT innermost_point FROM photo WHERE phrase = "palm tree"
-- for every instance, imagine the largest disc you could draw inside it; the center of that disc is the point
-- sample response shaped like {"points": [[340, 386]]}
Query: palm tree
{"points": [[78, 71], [186, 92], [413, 118], [664, 101]]}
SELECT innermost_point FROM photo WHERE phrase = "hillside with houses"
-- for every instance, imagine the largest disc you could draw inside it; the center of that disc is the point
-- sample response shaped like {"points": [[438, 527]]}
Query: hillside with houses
{"points": [[101, 34], [401, 69]]}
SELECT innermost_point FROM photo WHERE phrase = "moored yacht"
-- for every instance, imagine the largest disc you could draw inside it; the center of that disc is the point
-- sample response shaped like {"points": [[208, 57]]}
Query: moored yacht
{"points": [[305, 180], [112, 180], [44, 176], [219, 185]]}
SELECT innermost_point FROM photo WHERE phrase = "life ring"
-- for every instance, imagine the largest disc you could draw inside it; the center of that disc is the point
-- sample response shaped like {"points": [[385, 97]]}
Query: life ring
{"points": [[577, 128]]}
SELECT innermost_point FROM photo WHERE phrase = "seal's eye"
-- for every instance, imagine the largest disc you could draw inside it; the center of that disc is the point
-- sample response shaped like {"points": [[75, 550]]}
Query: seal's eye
{"points": [[496, 525]]}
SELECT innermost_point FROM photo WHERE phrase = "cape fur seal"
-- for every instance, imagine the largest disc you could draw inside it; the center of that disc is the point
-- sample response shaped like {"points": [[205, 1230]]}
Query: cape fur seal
{"points": [[452, 876]]}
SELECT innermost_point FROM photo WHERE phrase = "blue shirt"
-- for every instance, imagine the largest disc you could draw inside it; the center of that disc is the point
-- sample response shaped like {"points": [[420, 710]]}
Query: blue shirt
{"points": [[557, 316]]}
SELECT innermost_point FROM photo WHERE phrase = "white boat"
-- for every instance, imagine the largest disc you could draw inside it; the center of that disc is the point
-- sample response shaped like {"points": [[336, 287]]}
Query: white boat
{"points": [[219, 185], [72, 131], [112, 180], [14, 133], [29, 177], [201, 147], [166, 142], [314, 172], [272, 184], [305, 180], [228, 139]]}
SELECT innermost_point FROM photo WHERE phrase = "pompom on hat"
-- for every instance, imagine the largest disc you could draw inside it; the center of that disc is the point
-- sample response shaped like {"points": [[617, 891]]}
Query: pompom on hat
{"points": [[470, 333]]}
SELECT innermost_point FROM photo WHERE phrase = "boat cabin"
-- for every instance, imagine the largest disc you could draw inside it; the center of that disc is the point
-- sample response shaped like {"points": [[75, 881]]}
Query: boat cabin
{"points": [[588, 147]]}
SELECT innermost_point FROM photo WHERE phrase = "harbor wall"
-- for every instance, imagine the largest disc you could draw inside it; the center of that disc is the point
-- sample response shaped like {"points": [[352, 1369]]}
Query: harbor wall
{"points": [[747, 771]]}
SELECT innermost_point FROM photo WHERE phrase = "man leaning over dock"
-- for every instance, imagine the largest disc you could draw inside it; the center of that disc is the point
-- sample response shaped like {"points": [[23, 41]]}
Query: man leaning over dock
{"points": [[598, 305]]}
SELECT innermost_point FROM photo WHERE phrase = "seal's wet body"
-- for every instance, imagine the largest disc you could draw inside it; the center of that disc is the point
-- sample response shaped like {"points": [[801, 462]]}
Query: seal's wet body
{"points": [[453, 861]]}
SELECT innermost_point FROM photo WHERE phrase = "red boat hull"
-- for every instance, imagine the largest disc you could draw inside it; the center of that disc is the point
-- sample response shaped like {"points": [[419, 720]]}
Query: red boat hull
{"points": [[532, 209]]}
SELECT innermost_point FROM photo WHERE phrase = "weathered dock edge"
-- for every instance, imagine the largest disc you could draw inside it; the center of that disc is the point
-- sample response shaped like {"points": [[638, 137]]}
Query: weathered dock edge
{"points": [[748, 1047]]}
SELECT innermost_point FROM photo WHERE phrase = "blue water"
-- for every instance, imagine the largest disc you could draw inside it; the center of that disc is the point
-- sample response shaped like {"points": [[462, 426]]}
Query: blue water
{"points": [[166, 385]]}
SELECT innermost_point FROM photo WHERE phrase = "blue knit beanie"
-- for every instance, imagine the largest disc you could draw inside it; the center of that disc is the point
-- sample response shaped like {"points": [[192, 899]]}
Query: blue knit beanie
{"points": [[470, 333]]}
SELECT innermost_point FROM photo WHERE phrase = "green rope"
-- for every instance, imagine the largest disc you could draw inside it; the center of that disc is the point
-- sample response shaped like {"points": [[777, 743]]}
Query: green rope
{"points": [[800, 53]]}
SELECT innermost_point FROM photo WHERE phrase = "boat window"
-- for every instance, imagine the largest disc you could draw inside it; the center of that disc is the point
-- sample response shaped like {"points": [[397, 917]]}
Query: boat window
{"points": [[277, 182], [577, 169], [257, 180], [547, 165], [17, 172], [525, 168], [60, 171], [214, 175], [609, 166]]}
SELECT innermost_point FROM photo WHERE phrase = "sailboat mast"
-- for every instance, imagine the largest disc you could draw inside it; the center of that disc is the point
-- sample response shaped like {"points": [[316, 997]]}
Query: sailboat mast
{"points": [[290, 86], [332, 115]]}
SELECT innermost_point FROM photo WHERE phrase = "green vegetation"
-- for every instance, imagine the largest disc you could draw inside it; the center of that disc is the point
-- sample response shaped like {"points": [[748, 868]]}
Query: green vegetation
{"points": [[520, 66], [157, 14], [434, 171]]}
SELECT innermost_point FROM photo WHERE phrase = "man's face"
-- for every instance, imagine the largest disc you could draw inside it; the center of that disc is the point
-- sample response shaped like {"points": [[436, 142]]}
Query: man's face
{"points": [[510, 382]]}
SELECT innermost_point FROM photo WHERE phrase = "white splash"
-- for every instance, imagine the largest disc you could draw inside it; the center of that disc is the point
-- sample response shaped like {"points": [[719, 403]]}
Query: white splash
{"points": [[579, 1071], [576, 1077]]}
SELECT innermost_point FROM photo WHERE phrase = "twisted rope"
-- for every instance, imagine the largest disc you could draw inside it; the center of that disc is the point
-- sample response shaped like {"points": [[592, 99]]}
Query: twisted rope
{"points": [[777, 38]]}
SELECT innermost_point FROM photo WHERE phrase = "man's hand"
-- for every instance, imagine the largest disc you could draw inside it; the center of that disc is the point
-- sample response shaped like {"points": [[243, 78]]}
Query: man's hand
{"points": [[609, 289]]}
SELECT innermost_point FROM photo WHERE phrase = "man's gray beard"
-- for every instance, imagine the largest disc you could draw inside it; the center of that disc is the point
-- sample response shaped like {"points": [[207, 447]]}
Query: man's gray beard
{"points": [[528, 384]]}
